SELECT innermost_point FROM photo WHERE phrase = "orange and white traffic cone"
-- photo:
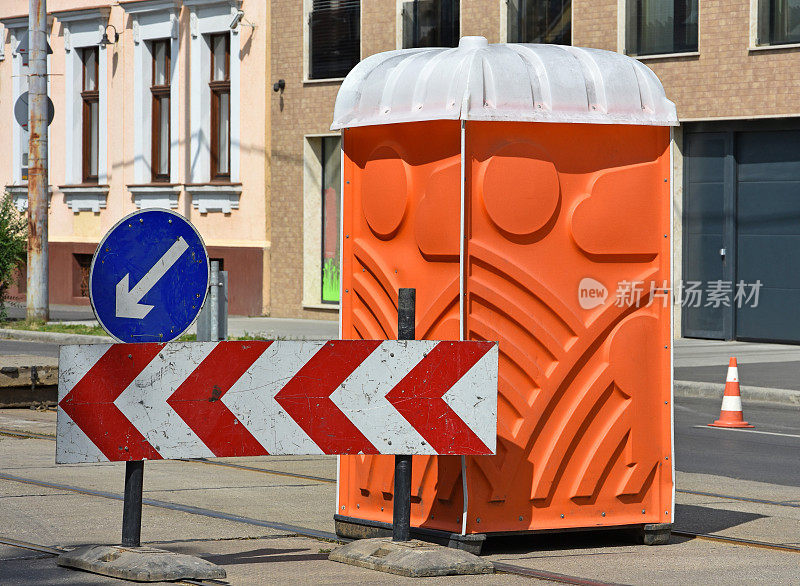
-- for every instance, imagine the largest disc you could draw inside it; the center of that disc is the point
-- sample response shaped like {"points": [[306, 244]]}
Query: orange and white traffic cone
{"points": [[731, 413]]}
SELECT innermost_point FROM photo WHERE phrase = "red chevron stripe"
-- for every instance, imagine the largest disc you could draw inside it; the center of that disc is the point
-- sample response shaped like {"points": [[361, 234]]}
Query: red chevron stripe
{"points": [[103, 423], [306, 398], [418, 397], [198, 401]]}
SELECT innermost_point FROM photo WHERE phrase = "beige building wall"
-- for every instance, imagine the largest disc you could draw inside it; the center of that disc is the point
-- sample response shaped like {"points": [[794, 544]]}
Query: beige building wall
{"points": [[232, 218]]}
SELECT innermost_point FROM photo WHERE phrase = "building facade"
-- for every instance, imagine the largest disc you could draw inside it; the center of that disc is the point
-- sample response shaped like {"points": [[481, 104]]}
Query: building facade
{"points": [[158, 103], [269, 208], [731, 66]]}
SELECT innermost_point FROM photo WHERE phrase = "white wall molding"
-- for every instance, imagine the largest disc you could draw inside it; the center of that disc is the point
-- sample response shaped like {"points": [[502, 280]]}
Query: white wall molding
{"points": [[215, 198], [20, 195], [152, 21], [209, 17], [85, 198], [155, 196], [84, 28]]}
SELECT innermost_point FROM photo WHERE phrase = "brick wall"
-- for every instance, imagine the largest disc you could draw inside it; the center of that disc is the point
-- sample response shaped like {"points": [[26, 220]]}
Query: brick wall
{"points": [[726, 79], [594, 24]]}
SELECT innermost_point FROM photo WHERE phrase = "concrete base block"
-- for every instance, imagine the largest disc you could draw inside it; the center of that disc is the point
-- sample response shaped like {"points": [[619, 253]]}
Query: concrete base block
{"points": [[140, 564], [415, 559], [656, 533], [353, 528]]}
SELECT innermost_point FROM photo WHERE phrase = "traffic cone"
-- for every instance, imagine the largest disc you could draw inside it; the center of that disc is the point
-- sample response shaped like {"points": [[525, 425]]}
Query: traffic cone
{"points": [[731, 413]]}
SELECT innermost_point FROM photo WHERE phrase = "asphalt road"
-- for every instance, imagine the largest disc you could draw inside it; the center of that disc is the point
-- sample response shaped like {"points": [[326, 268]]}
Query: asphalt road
{"points": [[31, 348], [768, 453]]}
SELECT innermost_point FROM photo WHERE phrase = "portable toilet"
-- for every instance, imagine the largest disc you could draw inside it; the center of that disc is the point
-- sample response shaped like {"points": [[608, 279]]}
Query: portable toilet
{"points": [[524, 191]]}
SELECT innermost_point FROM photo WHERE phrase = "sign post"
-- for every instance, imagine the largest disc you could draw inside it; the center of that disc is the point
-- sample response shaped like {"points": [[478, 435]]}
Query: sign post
{"points": [[147, 283], [38, 296], [401, 509], [132, 504]]}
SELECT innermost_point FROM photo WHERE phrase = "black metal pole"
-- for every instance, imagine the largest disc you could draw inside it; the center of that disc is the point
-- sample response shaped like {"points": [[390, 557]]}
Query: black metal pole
{"points": [[132, 505], [401, 511]]}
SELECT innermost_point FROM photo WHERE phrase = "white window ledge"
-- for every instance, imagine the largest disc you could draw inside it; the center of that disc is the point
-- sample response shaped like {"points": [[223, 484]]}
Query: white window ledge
{"points": [[153, 195], [324, 80], [666, 56], [774, 47], [327, 306], [212, 197], [20, 195], [85, 198]]}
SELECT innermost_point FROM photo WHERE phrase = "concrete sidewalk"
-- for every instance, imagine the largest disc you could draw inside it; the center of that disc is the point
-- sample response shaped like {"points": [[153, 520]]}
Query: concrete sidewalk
{"points": [[768, 373]]}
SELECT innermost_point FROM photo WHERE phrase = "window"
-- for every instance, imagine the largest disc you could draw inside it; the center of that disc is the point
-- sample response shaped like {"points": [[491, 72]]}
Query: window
{"points": [[334, 37], [657, 27], [90, 95], [80, 274], [430, 23], [540, 21], [331, 185], [778, 22], [160, 89], [24, 138], [220, 85], [21, 77]]}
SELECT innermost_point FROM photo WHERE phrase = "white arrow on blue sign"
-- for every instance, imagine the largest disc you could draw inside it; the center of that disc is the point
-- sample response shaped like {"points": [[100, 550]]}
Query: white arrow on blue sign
{"points": [[149, 277]]}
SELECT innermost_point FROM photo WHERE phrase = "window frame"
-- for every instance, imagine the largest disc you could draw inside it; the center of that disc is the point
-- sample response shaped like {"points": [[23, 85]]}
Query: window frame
{"points": [[217, 88], [327, 142], [765, 25], [632, 27], [308, 45], [88, 98], [313, 201], [158, 93], [520, 19], [455, 5]]}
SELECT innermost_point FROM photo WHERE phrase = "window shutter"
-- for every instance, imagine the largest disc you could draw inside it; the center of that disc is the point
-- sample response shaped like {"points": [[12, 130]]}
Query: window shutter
{"points": [[335, 37]]}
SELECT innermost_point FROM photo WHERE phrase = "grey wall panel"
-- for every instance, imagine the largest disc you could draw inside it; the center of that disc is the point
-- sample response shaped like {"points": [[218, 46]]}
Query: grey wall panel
{"points": [[768, 156], [704, 228]]}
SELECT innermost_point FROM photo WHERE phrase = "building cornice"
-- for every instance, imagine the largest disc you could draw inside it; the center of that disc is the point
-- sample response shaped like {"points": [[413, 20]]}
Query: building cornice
{"points": [[144, 6]]}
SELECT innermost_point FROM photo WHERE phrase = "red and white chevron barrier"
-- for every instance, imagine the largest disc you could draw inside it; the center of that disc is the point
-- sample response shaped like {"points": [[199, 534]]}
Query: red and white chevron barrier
{"points": [[205, 399]]}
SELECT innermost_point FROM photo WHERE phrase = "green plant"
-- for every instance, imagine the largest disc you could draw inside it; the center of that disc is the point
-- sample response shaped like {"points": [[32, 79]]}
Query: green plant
{"points": [[13, 246], [330, 280]]}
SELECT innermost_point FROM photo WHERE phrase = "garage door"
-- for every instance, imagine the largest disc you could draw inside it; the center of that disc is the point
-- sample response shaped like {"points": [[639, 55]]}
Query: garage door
{"points": [[742, 225], [768, 233]]}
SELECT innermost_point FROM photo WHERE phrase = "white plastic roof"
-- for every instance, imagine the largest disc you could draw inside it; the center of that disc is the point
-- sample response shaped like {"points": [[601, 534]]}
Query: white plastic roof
{"points": [[519, 82]]}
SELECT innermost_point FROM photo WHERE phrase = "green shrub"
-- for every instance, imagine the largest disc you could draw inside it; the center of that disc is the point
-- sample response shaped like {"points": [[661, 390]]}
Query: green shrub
{"points": [[13, 246]]}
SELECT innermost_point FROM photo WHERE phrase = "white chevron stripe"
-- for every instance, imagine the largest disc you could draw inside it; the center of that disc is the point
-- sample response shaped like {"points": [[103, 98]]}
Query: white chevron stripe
{"points": [[252, 398], [144, 401], [474, 398], [73, 364], [362, 397], [72, 441]]}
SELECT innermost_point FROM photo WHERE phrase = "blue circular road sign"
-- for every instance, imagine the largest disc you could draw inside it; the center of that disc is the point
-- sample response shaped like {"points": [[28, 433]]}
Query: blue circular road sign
{"points": [[149, 277]]}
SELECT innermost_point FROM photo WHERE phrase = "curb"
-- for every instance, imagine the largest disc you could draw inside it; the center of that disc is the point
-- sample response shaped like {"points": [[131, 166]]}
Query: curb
{"points": [[53, 337], [755, 395]]}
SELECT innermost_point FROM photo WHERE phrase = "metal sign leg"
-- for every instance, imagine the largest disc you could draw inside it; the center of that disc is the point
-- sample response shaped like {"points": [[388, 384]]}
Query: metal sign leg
{"points": [[401, 510], [132, 505]]}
